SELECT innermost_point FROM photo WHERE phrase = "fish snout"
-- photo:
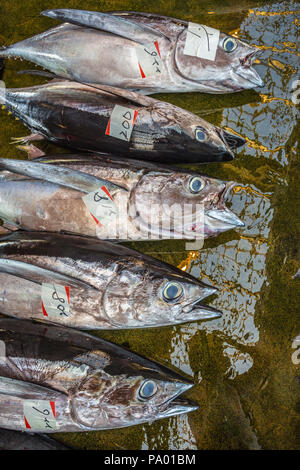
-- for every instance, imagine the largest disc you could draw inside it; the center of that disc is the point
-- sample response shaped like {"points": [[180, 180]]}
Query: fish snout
{"points": [[178, 407], [197, 311], [245, 71], [222, 219], [247, 60], [234, 141]]}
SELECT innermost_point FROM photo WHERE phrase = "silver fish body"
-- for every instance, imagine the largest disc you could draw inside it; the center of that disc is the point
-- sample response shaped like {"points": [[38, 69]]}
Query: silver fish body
{"points": [[87, 284], [59, 380], [83, 117], [147, 201], [97, 47]]}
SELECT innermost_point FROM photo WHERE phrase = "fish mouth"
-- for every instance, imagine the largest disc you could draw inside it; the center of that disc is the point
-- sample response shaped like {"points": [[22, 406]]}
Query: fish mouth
{"points": [[232, 140], [197, 311], [220, 218], [246, 71], [223, 219], [222, 152], [178, 406]]}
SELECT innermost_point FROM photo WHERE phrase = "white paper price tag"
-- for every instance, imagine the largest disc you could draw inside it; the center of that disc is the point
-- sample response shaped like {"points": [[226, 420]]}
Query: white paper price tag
{"points": [[201, 41], [39, 415], [101, 206], [149, 59], [121, 122], [55, 300]]}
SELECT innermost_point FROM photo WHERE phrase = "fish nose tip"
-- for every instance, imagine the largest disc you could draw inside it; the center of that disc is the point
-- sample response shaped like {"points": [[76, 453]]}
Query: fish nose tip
{"points": [[180, 406], [210, 290], [227, 154], [260, 82], [209, 313]]}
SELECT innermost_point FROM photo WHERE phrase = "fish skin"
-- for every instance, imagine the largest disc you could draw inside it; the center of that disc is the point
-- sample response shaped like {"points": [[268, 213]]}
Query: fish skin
{"points": [[54, 202], [95, 384], [111, 286], [99, 62], [76, 115], [14, 440]]}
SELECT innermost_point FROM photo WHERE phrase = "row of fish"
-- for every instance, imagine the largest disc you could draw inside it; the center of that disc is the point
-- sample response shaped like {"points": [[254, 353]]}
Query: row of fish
{"points": [[58, 379], [53, 267], [112, 198]]}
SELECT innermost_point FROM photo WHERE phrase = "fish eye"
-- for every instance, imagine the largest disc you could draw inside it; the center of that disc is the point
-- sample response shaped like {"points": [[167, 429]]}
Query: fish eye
{"points": [[147, 390], [200, 134], [172, 291], [196, 184], [229, 44]]}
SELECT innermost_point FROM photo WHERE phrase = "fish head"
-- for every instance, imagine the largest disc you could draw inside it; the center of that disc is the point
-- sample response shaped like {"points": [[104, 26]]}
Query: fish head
{"points": [[182, 204], [230, 71], [128, 390], [192, 138], [147, 293]]}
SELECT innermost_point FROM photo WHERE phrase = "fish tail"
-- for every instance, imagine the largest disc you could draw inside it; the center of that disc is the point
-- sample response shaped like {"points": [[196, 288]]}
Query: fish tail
{"points": [[4, 52]]}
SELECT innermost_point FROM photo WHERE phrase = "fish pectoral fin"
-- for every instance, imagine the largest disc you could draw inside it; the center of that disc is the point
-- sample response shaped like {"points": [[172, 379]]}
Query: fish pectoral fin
{"points": [[25, 390], [26, 139], [38, 275], [60, 175], [31, 150], [7, 228], [123, 27]]}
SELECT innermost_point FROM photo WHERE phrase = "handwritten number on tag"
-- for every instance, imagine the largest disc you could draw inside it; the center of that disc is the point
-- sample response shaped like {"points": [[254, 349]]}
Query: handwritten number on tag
{"points": [[55, 300], [155, 63], [201, 41], [101, 206], [126, 124], [39, 414], [121, 122], [45, 413], [149, 59], [206, 33]]}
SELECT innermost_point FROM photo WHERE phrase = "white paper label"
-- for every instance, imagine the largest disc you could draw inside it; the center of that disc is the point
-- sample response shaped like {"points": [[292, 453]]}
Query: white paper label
{"points": [[121, 122], [149, 59], [2, 351], [101, 206], [55, 300], [201, 41], [39, 415]]}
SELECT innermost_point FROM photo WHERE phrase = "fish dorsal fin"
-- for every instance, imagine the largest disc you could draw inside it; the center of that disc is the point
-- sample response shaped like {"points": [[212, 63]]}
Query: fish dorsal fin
{"points": [[59, 175], [38, 275], [136, 98], [106, 22]]}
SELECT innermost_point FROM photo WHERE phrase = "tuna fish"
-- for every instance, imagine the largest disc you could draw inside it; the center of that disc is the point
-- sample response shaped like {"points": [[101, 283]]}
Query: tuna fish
{"points": [[113, 198], [142, 52], [56, 379], [88, 284], [117, 121]]}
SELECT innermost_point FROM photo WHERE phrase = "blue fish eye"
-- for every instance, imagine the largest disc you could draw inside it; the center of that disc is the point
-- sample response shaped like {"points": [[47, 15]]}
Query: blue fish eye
{"points": [[172, 291], [200, 135], [196, 184], [147, 389], [229, 44]]}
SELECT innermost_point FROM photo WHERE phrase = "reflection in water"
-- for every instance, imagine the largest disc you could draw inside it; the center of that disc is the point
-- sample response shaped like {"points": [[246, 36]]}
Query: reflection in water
{"points": [[238, 266], [238, 362], [176, 436], [268, 125]]}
